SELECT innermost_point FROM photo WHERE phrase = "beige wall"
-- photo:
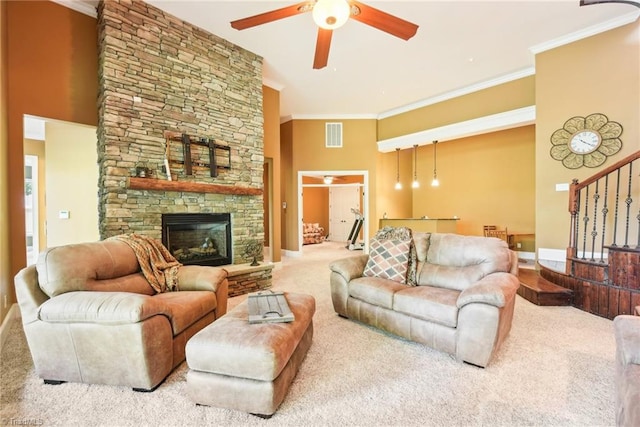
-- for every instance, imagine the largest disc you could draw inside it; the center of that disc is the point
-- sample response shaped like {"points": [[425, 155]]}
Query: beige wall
{"points": [[600, 74], [6, 281], [71, 183]]}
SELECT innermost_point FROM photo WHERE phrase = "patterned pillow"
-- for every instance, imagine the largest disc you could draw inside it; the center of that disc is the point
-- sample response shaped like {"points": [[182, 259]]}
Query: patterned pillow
{"points": [[402, 233], [388, 259]]}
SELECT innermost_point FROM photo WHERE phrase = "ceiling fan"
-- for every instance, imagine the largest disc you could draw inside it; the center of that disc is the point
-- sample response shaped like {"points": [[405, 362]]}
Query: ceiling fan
{"points": [[329, 15]]}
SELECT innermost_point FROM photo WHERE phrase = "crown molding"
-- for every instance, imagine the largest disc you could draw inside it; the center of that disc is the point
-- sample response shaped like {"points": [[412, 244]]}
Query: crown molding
{"points": [[87, 7], [332, 117], [526, 72], [272, 84], [585, 32], [492, 123]]}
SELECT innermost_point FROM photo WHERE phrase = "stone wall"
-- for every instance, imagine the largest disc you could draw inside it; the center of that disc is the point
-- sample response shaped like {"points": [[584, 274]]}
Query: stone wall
{"points": [[158, 74]]}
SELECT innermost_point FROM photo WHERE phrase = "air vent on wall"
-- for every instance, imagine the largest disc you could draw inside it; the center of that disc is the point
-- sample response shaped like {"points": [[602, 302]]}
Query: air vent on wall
{"points": [[333, 135]]}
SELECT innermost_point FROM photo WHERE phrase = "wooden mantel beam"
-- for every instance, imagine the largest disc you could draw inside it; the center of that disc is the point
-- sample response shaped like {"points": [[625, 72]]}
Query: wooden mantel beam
{"points": [[191, 187]]}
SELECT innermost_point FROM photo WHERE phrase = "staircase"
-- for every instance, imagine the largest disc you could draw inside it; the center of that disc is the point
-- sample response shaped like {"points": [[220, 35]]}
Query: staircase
{"points": [[603, 257], [538, 290]]}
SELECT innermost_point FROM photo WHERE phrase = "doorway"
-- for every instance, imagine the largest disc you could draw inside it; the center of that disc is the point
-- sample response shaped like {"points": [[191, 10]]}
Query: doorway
{"points": [[354, 179], [31, 211]]}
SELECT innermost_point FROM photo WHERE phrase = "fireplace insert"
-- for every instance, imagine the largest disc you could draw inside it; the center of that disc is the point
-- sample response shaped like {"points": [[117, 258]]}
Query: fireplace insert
{"points": [[198, 238]]}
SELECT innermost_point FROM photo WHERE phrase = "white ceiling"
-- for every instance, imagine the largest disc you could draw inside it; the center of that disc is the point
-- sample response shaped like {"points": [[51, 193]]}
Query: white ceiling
{"points": [[460, 46]]}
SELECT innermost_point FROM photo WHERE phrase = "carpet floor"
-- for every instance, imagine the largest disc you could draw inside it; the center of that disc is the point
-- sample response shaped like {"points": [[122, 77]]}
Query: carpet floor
{"points": [[556, 368]]}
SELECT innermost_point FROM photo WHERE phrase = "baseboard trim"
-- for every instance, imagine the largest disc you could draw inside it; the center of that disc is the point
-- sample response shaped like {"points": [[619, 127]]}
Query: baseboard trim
{"points": [[559, 255], [526, 255], [12, 315]]}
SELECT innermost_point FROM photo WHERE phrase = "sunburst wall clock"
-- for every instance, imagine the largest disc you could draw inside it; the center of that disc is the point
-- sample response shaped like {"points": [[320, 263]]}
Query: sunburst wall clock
{"points": [[586, 141]]}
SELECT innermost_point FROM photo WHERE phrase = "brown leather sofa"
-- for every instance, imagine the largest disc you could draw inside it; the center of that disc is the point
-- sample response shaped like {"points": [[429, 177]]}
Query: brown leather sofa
{"points": [[462, 303], [90, 316], [627, 376]]}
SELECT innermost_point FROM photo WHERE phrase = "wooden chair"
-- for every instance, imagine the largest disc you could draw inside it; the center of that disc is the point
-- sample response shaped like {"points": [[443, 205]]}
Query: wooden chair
{"points": [[500, 234], [488, 228]]}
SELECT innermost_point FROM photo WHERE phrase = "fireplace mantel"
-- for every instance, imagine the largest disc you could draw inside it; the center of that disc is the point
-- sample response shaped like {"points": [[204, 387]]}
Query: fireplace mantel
{"points": [[192, 187]]}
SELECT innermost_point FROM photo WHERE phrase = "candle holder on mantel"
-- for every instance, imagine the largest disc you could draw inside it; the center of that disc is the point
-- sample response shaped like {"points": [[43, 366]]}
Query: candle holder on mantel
{"points": [[252, 250]]}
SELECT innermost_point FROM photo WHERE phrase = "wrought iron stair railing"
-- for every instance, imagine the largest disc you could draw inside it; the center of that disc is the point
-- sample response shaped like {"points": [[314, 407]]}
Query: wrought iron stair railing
{"points": [[605, 218]]}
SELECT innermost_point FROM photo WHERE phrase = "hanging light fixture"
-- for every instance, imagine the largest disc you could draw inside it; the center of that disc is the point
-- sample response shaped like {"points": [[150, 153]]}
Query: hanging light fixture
{"points": [[398, 185], [331, 14], [435, 181], [415, 183], [328, 179]]}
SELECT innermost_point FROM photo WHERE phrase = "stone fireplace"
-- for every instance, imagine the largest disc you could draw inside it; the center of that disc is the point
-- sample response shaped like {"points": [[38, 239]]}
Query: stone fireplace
{"points": [[160, 75], [197, 238]]}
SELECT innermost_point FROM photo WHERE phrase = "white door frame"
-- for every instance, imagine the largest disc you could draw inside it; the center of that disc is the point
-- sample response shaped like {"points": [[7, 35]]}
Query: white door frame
{"points": [[365, 199]]}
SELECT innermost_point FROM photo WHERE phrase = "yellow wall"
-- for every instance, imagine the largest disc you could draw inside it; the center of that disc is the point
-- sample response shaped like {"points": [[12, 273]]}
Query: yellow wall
{"points": [[484, 180], [303, 149], [497, 99], [271, 109], [71, 183], [316, 206], [52, 67], [600, 74], [6, 280]]}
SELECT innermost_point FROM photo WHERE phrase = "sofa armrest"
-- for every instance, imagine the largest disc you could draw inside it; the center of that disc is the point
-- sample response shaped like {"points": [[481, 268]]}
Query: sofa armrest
{"points": [[350, 268], [203, 278], [494, 289], [29, 294], [109, 308], [627, 332], [200, 278]]}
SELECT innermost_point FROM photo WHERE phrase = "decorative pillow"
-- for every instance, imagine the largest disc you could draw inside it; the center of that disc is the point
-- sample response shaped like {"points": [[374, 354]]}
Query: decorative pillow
{"points": [[388, 259], [402, 233]]}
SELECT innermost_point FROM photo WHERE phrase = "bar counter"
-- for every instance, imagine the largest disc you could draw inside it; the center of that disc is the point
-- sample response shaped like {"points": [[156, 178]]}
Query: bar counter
{"points": [[431, 225]]}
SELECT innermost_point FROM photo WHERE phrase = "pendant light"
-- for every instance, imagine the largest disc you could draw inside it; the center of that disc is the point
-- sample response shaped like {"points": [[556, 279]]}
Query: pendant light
{"points": [[415, 183], [435, 181], [398, 185]]}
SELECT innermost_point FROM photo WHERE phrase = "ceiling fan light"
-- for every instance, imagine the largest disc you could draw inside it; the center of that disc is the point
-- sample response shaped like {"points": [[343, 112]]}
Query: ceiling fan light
{"points": [[331, 14]]}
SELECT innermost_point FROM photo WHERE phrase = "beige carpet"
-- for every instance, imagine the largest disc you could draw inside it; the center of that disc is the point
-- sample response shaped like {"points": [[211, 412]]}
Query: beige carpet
{"points": [[555, 369]]}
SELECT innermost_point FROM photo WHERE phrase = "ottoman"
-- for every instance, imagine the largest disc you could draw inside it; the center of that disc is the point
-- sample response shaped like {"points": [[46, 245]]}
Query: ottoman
{"points": [[248, 367]]}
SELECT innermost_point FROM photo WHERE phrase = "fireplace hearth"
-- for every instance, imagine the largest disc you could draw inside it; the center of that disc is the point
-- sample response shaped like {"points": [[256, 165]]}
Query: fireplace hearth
{"points": [[198, 238]]}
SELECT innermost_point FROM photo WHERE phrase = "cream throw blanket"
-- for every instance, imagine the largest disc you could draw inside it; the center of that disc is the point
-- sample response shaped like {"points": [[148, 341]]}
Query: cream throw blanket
{"points": [[158, 266]]}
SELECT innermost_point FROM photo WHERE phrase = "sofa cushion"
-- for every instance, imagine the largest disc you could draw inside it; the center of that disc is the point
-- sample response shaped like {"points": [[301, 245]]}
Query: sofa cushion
{"points": [[421, 242], [456, 261], [108, 308], [89, 267], [428, 303], [375, 290], [388, 259]]}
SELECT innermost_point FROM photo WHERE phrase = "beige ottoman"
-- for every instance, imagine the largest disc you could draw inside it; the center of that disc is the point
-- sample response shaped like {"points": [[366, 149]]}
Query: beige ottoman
{"points": [[249, 367]]}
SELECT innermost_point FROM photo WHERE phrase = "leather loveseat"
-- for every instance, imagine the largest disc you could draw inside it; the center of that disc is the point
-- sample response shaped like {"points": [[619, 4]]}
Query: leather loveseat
{"points": [[461, 301], [91, 316]]}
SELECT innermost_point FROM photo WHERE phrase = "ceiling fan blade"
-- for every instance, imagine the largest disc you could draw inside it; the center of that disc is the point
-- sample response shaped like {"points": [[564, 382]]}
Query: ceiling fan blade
{"points": [[274, 15], [323, 44], [590, 2], [383, 21]]}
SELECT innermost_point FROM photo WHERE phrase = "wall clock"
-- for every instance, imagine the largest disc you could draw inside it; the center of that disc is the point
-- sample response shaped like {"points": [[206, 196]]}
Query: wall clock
{"points": [[586, 141]]}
